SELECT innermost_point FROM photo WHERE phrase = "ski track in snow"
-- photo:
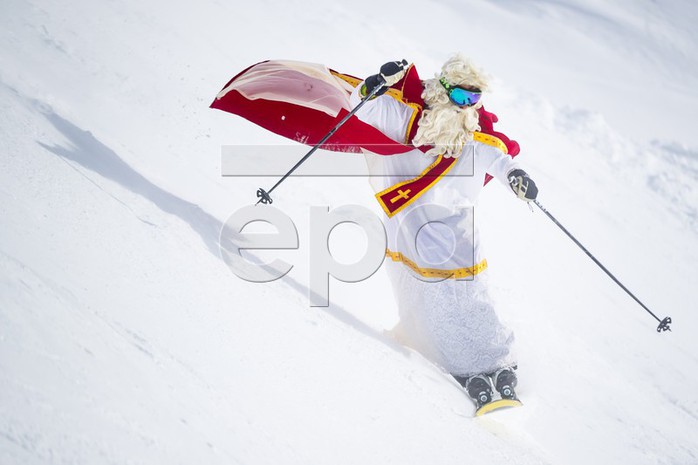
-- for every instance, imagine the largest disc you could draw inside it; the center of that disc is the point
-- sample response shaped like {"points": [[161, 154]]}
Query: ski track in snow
{"points": [[124, 338]]}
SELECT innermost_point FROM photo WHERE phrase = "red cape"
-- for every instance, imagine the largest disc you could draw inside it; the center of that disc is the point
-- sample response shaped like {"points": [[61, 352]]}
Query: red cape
{"points": [[303, 101]]}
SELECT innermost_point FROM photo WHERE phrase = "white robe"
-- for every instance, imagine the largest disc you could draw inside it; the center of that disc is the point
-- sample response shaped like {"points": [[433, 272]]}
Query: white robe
{"points": [[450, 321]]}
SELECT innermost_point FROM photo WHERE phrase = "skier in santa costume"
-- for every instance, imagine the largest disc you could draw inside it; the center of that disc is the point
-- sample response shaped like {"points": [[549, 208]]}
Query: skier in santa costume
{"points": [[430, 147], [435, 260]]}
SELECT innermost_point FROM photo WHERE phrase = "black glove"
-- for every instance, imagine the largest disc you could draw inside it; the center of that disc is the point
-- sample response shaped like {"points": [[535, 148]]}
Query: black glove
{"points": [[522, 185], [390, 74]]}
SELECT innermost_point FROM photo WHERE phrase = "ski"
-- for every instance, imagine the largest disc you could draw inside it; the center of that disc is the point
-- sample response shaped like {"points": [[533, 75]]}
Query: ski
{"points": [[497, 405]]}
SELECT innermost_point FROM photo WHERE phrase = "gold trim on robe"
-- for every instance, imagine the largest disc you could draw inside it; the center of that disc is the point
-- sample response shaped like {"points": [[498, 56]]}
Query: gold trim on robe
{"points": [[398, 196], [402, 194], [457, 273]]}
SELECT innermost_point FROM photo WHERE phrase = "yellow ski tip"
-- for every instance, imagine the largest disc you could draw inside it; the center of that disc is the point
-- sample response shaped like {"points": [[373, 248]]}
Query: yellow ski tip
{"points": [[496, 405]]}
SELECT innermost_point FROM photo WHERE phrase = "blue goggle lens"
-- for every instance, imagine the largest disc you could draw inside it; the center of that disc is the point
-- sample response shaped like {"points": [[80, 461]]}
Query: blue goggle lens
{"points": [[463, 97]]}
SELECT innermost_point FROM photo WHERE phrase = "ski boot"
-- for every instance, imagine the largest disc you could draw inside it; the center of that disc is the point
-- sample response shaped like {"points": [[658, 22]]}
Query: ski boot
{"points": [[504, 381], [479, 389]]}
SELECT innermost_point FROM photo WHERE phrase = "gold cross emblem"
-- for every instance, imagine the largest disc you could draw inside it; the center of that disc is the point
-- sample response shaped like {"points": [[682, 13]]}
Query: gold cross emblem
{"points": [[401, 195]]}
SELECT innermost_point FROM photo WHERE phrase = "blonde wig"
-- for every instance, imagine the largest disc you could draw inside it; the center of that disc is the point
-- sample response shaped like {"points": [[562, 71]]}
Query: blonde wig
{"points": [[444, 125]]}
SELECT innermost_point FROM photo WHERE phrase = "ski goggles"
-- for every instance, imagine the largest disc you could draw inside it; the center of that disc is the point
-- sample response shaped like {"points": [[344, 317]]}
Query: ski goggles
{"points": [[460, 95]]}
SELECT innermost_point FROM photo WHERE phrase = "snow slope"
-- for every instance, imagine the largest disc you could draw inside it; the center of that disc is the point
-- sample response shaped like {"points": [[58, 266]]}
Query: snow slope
{"points": [[124, 338]]}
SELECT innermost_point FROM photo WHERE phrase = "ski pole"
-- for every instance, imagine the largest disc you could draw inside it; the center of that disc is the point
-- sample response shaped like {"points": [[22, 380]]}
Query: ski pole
{"points": [[663, 324], [264, 196]]}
